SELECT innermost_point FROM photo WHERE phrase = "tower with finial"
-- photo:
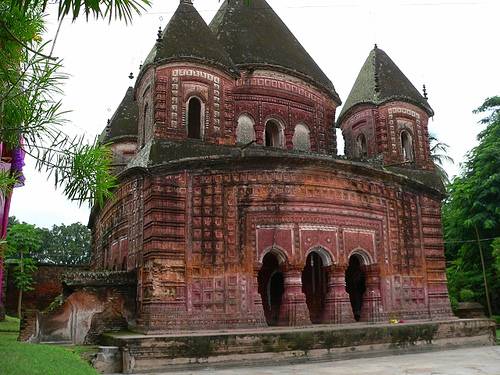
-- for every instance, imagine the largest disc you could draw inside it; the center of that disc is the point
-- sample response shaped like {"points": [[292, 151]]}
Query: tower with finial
{"points": [[386, 115]]}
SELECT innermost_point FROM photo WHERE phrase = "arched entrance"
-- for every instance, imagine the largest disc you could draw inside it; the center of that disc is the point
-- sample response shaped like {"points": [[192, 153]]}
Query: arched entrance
{"points": [[271, 287], [355, 281], [315, 285]]}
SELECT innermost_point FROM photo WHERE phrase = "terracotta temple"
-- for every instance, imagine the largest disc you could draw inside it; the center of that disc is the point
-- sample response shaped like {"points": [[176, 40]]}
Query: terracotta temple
{"points": [[234, 210]]}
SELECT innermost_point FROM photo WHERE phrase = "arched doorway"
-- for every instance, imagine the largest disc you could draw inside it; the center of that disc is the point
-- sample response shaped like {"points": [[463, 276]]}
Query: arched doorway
{"points": [[194, 118], [271, 287], [315, 285], [355, 281]]}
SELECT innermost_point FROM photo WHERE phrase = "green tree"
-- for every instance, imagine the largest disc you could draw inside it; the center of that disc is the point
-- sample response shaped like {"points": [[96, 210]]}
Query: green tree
{"points": [[439, 155], [66, 245], [31, 117], [474, 202], [23, 241]]}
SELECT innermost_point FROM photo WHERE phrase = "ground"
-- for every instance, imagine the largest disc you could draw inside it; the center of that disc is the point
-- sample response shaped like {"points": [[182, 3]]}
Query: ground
{"points": [[473, 361], [17, 358]]}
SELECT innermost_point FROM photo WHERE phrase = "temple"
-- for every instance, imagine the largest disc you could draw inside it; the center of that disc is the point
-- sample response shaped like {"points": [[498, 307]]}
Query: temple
{"points": [[233, 209]]}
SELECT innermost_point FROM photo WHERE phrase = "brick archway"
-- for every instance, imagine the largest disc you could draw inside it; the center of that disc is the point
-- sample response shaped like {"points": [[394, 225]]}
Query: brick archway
{"points": [[315, 278], [271, 285]]}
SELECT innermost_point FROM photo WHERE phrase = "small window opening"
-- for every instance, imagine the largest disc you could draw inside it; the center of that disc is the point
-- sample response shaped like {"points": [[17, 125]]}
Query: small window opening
{"points": [[301, 140], [194, 118], [362, 149], [273, 134], [407, 146]]}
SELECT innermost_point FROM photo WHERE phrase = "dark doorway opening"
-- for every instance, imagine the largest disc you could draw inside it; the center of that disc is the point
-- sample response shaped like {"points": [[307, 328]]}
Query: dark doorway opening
{"points": [[194, 118], [315, 286], [355, 282], [271, 288]]}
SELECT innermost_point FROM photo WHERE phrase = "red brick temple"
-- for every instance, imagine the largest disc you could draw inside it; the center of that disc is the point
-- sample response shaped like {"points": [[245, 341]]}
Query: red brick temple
{"points": [[233, 208]]}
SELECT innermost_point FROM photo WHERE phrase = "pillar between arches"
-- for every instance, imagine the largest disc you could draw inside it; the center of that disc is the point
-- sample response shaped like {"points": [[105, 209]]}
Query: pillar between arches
{"points": [[337, 308], [371, 310], [258, 308], [293, 311]]}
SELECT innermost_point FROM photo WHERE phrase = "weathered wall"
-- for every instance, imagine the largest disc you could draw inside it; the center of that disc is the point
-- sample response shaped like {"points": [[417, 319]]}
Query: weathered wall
{"points": [[382, 126], [47, 286], [94, 302], [205, 235]]}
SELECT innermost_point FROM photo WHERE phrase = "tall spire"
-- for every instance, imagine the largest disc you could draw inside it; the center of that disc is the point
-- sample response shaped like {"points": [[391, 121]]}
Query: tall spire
{"points": [[123, 124], [255, 37], [380, 81]]}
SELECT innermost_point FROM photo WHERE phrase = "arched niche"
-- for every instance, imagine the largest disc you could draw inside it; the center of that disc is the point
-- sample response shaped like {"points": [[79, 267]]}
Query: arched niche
{"points": [[361, 146], [407, 146], [363, 256], [245, 131], [273, 134], [194, 118], [301, 138], [324, 254]]}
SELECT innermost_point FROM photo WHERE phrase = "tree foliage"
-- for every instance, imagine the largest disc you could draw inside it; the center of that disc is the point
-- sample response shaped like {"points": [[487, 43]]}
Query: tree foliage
{"points": [[439, 155], [31, 115], [118, 9], [474, 202], [65, 244], [23, 241], [62, 244]]}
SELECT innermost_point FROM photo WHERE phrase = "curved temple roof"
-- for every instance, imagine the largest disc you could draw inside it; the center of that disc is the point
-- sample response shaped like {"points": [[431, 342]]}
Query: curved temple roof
{"points": [[380, 81], [188, 37], [124, 123], [255, 36]]}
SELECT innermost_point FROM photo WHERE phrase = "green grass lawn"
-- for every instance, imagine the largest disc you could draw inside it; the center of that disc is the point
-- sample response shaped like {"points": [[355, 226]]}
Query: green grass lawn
{"points": [[19, 358], [10, 324]]}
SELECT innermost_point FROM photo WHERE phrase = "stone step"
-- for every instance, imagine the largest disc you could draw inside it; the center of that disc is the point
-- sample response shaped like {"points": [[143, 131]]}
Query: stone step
{"points": [[193, 350]]}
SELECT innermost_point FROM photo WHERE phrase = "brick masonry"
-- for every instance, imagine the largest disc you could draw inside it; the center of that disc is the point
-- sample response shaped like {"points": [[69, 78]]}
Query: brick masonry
{"points": [[47, 286], [197, 231]]}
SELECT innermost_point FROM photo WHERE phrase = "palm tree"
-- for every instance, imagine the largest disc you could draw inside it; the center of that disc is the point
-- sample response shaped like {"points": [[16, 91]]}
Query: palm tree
{"points": [[439, 155]]}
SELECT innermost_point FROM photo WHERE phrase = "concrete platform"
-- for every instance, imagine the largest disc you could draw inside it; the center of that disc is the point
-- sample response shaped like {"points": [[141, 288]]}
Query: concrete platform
{"points": [[470, 361], [197, 350]]}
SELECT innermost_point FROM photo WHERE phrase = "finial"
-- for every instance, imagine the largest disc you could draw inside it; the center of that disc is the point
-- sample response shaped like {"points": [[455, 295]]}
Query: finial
{"points": [[375, 46], [187, 2], [131, 75], [425, 92], [158, 39]]}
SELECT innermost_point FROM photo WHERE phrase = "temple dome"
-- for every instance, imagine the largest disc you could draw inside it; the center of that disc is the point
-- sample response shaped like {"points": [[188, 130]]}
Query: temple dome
{"points": [[123, 124], [187, 37], [255, 37], [380, 81]]}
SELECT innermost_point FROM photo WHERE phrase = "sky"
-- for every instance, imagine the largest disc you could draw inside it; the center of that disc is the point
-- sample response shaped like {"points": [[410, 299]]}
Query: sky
{"points": [[451, 46]]}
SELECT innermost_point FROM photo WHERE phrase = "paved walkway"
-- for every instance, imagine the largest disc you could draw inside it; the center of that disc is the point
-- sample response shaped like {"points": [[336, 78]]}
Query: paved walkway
{"points": [[474, 361]]}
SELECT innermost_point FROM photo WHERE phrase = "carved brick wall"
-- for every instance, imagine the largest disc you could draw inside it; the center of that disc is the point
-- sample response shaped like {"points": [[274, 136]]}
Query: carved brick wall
{"points": [[205, 234], [382, 127]]}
